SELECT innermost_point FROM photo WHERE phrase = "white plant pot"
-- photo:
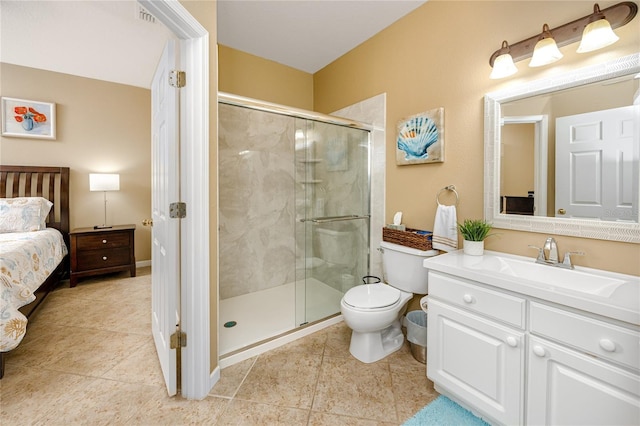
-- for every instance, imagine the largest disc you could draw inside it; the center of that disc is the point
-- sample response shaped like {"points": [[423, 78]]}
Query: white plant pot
{"points": [[474, 248]]}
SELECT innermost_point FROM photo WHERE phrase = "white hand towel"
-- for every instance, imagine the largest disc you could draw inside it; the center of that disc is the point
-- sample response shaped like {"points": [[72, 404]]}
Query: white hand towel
{"points": [[445, 229]]}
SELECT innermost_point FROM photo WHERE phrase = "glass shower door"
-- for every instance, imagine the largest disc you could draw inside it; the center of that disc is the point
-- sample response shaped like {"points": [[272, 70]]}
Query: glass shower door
{"points": [[333, 210]]}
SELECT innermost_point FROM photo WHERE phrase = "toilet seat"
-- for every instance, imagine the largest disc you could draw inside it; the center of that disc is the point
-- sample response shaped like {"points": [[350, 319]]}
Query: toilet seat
{"points": [[372, 296]]}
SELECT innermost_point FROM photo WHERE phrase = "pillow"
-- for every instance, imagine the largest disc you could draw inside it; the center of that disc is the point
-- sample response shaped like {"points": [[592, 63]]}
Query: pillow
{"points": [[23, 214]]}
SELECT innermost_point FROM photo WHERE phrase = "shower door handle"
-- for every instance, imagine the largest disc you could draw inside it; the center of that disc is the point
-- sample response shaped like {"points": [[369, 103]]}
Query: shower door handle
{"points": [[326, 219]]}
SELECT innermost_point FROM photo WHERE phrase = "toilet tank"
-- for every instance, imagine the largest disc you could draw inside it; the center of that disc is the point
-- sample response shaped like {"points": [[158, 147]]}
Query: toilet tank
{"points": [[402, 267]]}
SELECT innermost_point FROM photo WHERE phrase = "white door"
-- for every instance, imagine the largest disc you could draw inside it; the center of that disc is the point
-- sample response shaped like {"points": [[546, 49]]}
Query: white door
{"points": [[469, 357], [571, 388], [595, 172], [165, 250]]}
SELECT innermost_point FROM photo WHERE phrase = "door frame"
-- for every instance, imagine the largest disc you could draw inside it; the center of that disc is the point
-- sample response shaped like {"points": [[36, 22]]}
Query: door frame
{"points": [[197, 378], [540, 156]]}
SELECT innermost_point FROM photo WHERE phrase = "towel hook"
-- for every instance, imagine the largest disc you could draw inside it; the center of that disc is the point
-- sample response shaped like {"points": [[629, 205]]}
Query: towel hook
{"points": [[448, 188]]}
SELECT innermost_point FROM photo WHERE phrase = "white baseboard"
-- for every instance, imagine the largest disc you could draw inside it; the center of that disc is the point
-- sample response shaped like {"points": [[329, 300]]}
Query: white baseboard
{"points": [[143, 263], [214, 377]]}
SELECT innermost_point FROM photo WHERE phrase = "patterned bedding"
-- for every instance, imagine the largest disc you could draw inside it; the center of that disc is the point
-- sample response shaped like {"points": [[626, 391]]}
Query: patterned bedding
{"points": [[26, 260]]}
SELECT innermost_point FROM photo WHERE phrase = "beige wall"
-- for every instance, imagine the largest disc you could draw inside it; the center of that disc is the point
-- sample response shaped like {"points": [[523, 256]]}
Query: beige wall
{"points": [[438, 56], [101, 127], [205, 14], [254, 77]]}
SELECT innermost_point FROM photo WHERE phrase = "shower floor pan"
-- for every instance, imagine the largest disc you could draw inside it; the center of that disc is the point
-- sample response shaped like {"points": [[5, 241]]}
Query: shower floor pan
{"points": [[267, 313]]}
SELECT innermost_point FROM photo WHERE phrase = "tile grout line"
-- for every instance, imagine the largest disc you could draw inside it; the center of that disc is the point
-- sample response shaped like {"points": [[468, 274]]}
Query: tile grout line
{"points": [[315, 388], [245, 377]]}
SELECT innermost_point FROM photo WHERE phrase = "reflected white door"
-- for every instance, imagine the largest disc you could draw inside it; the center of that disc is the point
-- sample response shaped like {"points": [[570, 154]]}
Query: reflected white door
{"points": [[165, 250], [597, 164]]}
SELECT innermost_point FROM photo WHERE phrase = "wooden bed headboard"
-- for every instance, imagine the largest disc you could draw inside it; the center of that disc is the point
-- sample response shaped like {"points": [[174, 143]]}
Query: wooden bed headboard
{"points": [[51, 183]]}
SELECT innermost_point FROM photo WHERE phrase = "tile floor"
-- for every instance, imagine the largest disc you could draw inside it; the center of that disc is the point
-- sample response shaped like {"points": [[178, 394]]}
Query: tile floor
{"points": [[89, 358]]}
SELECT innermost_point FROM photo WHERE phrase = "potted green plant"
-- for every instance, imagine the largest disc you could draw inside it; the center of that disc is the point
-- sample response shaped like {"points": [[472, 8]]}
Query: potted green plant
{"points": [[474, 232]]}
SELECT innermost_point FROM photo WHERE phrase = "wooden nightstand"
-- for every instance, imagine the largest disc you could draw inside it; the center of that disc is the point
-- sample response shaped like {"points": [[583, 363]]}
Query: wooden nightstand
{"points": [[102, 251]]}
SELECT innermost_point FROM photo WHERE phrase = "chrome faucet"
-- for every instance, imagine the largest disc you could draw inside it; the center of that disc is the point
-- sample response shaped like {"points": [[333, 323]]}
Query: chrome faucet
{"points": [[548, 255], [551, 250]]}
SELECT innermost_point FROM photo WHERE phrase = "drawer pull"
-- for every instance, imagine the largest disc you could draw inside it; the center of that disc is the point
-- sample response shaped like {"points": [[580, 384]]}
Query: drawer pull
{"points": [[539, 351], [467, 298], [512, 341], [104, 241], [607, 345], [104, 257]]}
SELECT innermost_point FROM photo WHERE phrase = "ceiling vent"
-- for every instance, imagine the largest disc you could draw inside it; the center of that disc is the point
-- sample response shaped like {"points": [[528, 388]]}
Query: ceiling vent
{"points": [[143, 14]]}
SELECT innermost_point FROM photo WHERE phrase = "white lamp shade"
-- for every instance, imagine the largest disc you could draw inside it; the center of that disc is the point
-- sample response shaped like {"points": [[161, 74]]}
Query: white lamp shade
{"points": [[545, 53], [503, 66], [597, 35], [104, 182]]}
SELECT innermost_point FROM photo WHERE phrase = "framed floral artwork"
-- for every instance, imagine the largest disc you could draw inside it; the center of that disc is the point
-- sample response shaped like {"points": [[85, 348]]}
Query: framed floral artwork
{"points": [[421, 138], [22, 118]]}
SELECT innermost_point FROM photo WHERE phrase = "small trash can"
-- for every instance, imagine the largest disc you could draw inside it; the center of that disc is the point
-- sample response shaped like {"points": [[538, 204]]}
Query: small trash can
{"points": [[416, 323]]}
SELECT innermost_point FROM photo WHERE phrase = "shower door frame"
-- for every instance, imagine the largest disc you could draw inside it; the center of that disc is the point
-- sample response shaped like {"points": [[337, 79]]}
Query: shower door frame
{"points": [[241, 101], [315, 219]]}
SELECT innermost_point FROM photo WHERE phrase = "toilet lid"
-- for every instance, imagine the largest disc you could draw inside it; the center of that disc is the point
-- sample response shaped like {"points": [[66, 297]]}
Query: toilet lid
{"points": [[369, 296]]}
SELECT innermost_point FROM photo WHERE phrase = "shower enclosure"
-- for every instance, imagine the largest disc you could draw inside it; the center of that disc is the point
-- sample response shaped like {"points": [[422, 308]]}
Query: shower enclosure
{"points": [[294, 214]]}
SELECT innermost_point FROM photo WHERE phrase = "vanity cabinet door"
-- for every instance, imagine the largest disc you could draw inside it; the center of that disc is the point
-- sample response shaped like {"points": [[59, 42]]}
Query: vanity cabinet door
{"points": [[478, 361], [567, 387]]}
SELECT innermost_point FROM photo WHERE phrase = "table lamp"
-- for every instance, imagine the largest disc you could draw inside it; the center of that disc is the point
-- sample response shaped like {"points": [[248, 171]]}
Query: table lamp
{"points": [[104, 182]]}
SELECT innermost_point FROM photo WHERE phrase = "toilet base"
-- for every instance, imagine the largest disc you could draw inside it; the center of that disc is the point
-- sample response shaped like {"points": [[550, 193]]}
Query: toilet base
{"points": [[374, 346]]}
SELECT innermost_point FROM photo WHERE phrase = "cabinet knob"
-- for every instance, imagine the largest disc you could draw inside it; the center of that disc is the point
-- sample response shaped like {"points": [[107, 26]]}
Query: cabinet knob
{"points": [[467, 298], [104, 257], [512, 341], [539, 351], [104, 241], [607, 345]]}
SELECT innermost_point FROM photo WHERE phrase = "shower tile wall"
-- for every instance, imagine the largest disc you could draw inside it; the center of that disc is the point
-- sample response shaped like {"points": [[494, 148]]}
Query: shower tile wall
{"points": [[257, 206]]}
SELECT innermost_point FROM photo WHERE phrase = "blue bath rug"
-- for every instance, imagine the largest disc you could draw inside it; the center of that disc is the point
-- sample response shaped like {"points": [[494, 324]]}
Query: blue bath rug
{"points": [[444, 412]]}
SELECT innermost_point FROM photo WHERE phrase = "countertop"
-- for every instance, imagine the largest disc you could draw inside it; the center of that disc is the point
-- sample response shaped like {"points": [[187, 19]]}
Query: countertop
{"points": [[619, 300]]}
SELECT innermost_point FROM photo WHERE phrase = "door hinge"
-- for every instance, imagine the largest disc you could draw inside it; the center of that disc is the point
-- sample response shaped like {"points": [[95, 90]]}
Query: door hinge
{"points": [[177, 79], [178, 210], [178, 340]]}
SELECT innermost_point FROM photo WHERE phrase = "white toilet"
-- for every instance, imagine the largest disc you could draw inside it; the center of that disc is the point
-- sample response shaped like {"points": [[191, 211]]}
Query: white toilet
{"points": [[372, 311]]}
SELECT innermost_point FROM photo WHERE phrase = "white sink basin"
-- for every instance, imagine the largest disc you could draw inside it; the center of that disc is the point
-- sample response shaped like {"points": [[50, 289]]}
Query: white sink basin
{"points": [[592, 281], [606, 293]]}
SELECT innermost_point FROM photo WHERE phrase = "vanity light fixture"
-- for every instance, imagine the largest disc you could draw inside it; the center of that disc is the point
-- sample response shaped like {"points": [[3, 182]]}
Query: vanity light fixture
{"points": [[503, 65], [546, 51], [597, 34], [616, 16]]}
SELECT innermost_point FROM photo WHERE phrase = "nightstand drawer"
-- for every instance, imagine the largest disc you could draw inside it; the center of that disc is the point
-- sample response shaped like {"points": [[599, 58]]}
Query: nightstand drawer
{"points": [[103, 241], [96, 251], [97, 259]]}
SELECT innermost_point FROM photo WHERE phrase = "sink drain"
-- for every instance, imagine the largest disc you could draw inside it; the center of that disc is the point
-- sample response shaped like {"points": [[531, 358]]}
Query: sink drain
{"points": [[230, 324]]}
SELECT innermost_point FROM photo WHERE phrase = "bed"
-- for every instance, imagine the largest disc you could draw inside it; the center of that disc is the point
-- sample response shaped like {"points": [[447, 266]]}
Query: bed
{"points": [[34, 244]]}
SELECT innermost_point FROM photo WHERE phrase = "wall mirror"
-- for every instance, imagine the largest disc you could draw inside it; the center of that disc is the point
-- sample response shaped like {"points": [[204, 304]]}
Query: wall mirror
{"points": [[547, 167]]}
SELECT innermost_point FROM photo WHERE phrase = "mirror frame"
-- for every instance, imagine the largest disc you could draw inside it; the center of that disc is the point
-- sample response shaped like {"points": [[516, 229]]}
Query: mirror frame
{"points": [[584, 228]]}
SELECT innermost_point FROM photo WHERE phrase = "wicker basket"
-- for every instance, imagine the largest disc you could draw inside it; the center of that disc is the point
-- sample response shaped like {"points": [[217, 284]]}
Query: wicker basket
{"points": [[408, 238]]}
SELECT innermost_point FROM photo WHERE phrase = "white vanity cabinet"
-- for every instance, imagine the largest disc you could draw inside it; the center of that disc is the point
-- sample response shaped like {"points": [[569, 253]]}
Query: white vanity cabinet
{"points": [[584, 376], [476, 347], [516, 359], [567, 387]]}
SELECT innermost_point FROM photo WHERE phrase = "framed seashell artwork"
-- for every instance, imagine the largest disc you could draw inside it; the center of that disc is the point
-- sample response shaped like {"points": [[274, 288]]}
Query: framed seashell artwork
{"points": [[421, 138]]}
